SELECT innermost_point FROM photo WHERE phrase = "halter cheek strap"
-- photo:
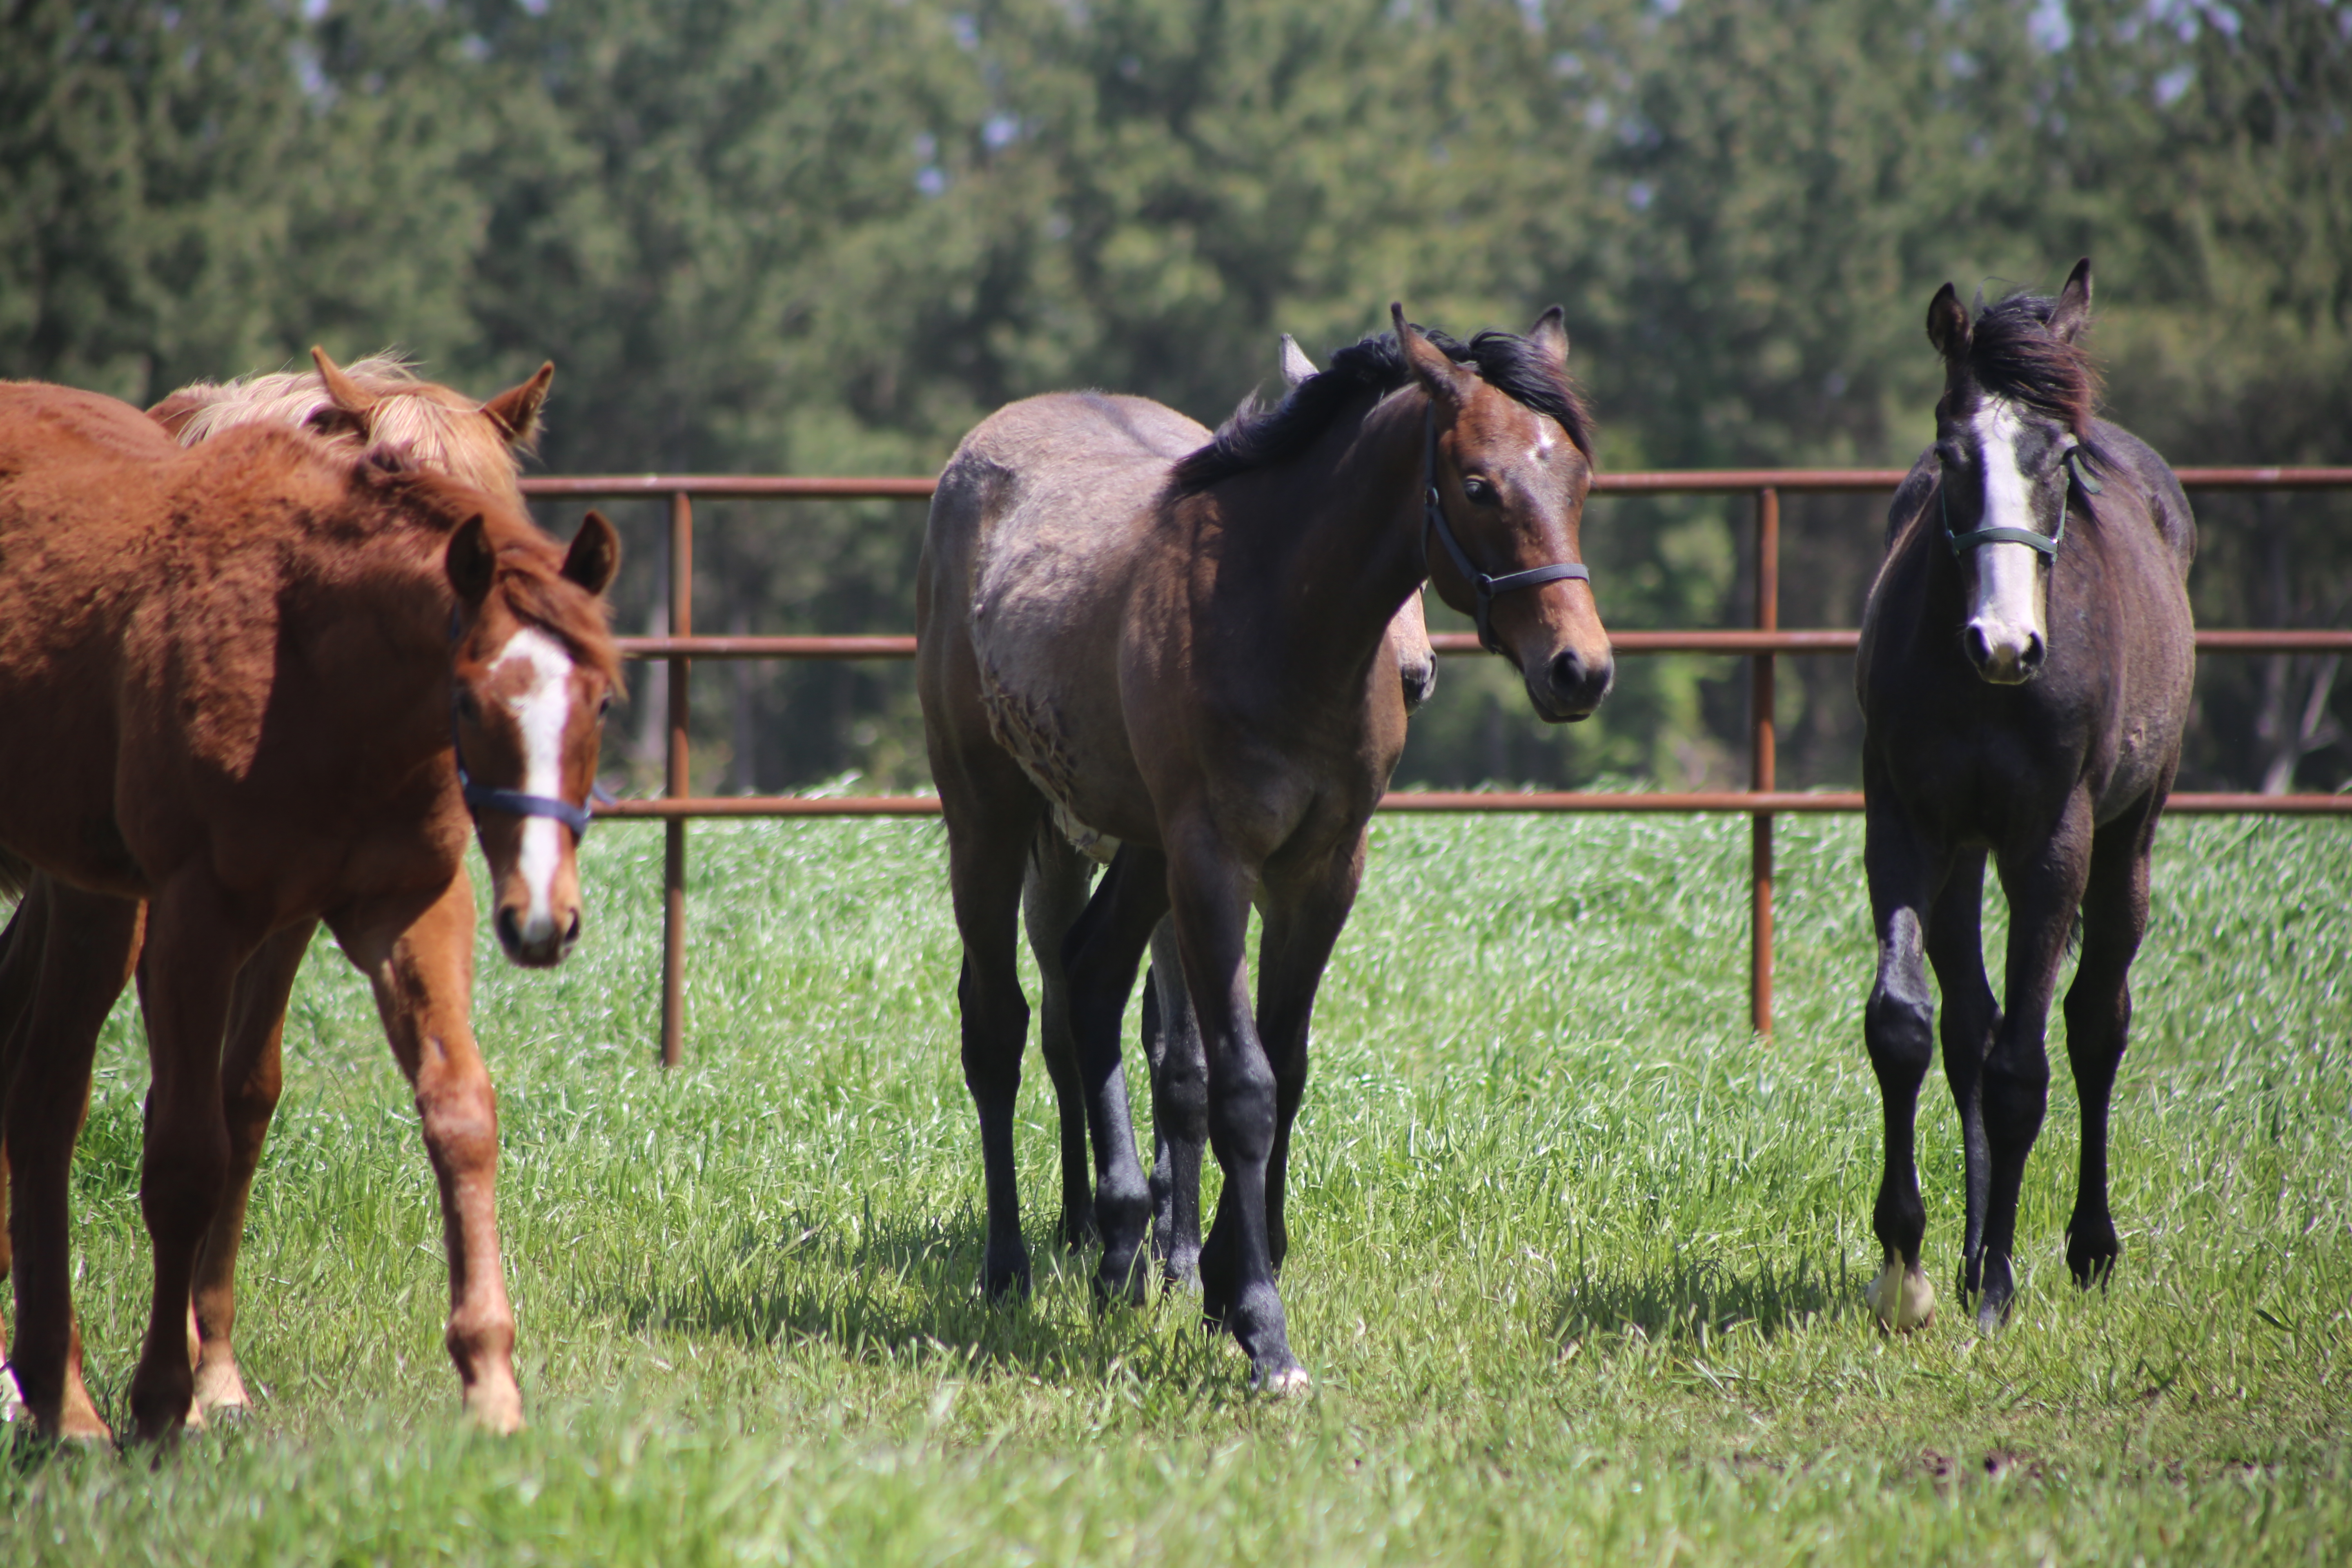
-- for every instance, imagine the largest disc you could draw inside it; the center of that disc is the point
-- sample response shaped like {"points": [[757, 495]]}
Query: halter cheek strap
{"points": [[480, 798], [1481, 584]]}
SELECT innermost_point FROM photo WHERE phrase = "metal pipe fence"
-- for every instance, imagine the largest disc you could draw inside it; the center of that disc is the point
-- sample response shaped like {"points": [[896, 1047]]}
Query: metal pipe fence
{"points": [[1761, 645]]}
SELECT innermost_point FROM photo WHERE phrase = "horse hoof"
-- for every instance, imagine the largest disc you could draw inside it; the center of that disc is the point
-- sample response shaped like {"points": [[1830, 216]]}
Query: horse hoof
{"points": [[12, 1399], [1901, 1298], [495, 1410], [220, 1393], [1282, 1382]]}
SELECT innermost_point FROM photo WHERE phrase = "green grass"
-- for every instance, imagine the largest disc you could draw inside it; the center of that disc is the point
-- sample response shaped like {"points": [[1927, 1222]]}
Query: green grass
{"points": [[1575, 1263]]}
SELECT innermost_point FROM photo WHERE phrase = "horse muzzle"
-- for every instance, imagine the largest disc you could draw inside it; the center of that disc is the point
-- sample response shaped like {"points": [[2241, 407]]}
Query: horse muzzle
{"points": [[2005, 656], [1568, 687], [537, 941]]}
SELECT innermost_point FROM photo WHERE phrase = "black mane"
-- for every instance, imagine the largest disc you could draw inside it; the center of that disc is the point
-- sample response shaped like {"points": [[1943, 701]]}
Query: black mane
{"points": [[2012, 354], [1256, 435]]}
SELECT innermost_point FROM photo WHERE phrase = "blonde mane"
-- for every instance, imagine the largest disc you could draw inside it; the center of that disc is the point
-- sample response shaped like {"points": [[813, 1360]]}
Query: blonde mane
{"points": [[434, 426]]}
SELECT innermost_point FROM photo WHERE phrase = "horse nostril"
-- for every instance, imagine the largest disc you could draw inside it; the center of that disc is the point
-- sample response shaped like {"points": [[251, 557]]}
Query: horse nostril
{"points": [[2033, 651], [1979, 650], [509, 933], [1567, 677], [572, 931]]}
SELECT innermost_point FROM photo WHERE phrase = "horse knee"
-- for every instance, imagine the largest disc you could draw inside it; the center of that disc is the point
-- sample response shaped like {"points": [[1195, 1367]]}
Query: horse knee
{"points": [[182, 1175], [1242, 1109], [1900, 1031]]}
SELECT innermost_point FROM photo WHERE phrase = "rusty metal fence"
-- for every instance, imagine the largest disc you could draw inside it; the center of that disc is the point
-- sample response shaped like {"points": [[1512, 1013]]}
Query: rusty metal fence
{"points": [[1761, 801]]}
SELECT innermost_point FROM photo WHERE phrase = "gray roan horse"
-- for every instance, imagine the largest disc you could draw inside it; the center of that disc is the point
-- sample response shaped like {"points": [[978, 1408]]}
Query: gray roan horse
{"points": [[2024, 675], [1179, 656]]}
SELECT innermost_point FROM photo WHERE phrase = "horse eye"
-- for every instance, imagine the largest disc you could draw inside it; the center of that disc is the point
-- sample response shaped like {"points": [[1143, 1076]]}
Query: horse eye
{"points": [[604, 705], [1478, 491], [468, 709]]}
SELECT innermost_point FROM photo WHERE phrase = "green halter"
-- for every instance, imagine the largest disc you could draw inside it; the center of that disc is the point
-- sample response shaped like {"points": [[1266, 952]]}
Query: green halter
{"points": [[2047, 544]]}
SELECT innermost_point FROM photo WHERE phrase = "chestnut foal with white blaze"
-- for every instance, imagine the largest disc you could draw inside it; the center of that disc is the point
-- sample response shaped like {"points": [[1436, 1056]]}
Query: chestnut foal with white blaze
{"points": [[380, 404], [1187, 658], [235, 672], [2024, 673]]}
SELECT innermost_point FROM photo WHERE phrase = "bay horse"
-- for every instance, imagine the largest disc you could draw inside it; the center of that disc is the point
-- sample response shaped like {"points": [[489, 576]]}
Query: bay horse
{"points": [[2024, 673], [1180, 656], [265, 682], [375, 403]]}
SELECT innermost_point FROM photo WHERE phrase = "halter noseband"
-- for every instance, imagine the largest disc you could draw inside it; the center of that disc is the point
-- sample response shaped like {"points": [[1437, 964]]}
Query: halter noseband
{"points": [[2047, 544], [514, 801], [1484, 586]]}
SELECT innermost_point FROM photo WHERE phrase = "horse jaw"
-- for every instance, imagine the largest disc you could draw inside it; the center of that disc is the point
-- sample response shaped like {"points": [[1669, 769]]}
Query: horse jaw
{"points": [[2005, 638]]}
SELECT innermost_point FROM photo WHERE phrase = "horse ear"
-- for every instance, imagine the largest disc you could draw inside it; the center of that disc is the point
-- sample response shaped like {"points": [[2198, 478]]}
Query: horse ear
{"points": [[341, 390], [1550, 336], [515, 411], [1295, 366], [1439, 377], [2072, 311], [1948, 324], [470, 562], [595, 554]]}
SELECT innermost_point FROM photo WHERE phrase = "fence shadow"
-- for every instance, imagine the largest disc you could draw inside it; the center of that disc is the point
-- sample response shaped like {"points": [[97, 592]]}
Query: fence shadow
{"points": [[891, 1289], [1675, 1300]]}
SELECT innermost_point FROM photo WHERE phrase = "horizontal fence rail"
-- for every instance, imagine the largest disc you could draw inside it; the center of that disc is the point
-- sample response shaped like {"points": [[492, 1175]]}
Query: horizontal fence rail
{"points": [[1760, 643]]}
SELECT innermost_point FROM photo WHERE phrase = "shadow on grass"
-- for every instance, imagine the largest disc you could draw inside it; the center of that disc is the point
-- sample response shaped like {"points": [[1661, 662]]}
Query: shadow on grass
{"points": [[892, 1289], [1675, 1299]]}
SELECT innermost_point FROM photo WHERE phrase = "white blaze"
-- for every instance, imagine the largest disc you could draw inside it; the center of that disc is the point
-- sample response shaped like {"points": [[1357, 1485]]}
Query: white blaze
{"points": [[542, 712], [2002, 610]]}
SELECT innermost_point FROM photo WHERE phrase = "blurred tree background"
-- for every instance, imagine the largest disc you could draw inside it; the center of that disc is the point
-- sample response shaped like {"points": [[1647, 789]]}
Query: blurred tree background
{"points": [[827, 235]]}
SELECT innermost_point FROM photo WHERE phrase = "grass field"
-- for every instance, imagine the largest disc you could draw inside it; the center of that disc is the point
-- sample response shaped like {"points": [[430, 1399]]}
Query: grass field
{"points": [[1576, 1264]]}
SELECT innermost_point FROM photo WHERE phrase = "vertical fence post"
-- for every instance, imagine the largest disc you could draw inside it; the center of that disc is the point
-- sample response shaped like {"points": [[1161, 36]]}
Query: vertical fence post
{"points": [[1760, 763], [680, 783]]}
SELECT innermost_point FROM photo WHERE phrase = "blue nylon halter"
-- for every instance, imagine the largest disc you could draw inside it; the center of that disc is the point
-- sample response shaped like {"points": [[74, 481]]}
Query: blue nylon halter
{"points": [[482, 797], [2047, 544], [1484, 586]]}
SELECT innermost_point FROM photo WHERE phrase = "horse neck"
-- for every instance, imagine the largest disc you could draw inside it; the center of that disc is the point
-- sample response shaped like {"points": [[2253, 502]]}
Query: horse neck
{"points": [[1357, 553]]}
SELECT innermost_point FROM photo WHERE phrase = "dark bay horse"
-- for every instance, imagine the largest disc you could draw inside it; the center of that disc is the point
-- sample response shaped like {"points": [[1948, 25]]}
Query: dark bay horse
{"points": [[1180, 655], [377, 403], [2024, 673], [231, 677]]}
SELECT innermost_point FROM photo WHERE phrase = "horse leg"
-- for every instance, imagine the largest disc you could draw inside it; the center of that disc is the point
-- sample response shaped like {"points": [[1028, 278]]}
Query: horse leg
{"points": [[1302, 926], [19, 954], [1955, 947], [76, 949], [1052, 897], [250, 1081], [1100, 955], [417, 954], [2098, 1018], [1179, 1110], [992, 824], [1898, 1025], [1211, 897], [2045, 890], [187, 972]]}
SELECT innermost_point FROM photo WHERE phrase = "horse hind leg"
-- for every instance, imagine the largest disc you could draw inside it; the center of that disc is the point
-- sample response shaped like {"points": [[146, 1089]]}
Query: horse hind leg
{"points": [[251, 1078], [2098, 1019], [1100, 954], [79, 947], [1052, 898], [1898, 1026], [1179, 1111], [993, 815], [1970, 1019]]}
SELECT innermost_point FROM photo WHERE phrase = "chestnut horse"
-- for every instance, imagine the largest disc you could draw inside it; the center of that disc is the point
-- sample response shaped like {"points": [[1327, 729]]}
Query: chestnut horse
{"points": [[378, 402], [240, 669], [1196, 667], [2024, 672]]}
